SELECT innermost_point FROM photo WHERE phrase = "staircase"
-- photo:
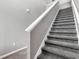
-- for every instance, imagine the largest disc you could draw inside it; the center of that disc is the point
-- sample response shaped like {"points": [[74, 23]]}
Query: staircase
{"points": [[62, 41]]}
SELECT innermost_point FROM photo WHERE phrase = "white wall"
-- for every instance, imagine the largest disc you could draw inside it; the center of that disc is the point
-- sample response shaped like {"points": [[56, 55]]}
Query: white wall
{"points": [[63, 1], [14, 20], [64, 4], [77, 4]]}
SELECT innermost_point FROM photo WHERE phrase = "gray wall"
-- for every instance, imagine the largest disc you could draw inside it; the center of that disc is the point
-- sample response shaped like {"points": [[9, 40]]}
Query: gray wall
{"points": [[14, 20]]}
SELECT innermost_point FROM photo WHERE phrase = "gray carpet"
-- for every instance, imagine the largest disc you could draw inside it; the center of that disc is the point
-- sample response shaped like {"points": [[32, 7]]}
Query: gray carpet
{"points": [[62, 41]]}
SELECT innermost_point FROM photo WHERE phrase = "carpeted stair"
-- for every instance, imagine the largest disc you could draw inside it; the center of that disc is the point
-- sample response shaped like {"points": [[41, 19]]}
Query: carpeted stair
{"points": [[62, 41]]}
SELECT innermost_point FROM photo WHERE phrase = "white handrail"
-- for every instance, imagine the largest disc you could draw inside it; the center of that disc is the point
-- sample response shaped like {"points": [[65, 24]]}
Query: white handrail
{"points": [[76, 18], [76, 12], [34, 24]]}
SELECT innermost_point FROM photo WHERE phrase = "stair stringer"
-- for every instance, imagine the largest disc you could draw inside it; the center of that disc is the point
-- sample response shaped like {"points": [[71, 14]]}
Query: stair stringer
{"points": [[45, 38]]}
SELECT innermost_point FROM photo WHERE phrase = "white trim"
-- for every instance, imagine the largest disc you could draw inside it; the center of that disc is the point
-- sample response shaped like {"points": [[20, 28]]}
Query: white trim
{"points": [[34, 24], [11, 53], [76, 17], [45, 38], [28, 43]]}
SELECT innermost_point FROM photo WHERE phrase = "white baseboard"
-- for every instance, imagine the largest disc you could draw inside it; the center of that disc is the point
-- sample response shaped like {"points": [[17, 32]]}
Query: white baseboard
{"points": [[45, 38], [13, 52]]}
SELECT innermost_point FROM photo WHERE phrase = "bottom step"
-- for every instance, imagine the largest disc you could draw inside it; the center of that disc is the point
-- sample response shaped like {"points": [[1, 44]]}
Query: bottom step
{"points": [[60, 52], [46, 55]]}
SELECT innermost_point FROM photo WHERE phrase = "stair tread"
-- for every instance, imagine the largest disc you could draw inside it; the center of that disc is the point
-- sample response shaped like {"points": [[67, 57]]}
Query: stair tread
{"points": [[63, 17], [69, 16], [59, 28], [69, 26], [67, 23], [61, 52], [64, 40], [62, 36], [60, 22], [65, 13], [64, 31], [64, 21], [49, 56], [65, 44]]}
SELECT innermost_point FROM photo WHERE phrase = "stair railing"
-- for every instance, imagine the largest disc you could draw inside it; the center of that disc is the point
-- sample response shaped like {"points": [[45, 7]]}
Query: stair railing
{"points": [[76, 17], [36, 32]]}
